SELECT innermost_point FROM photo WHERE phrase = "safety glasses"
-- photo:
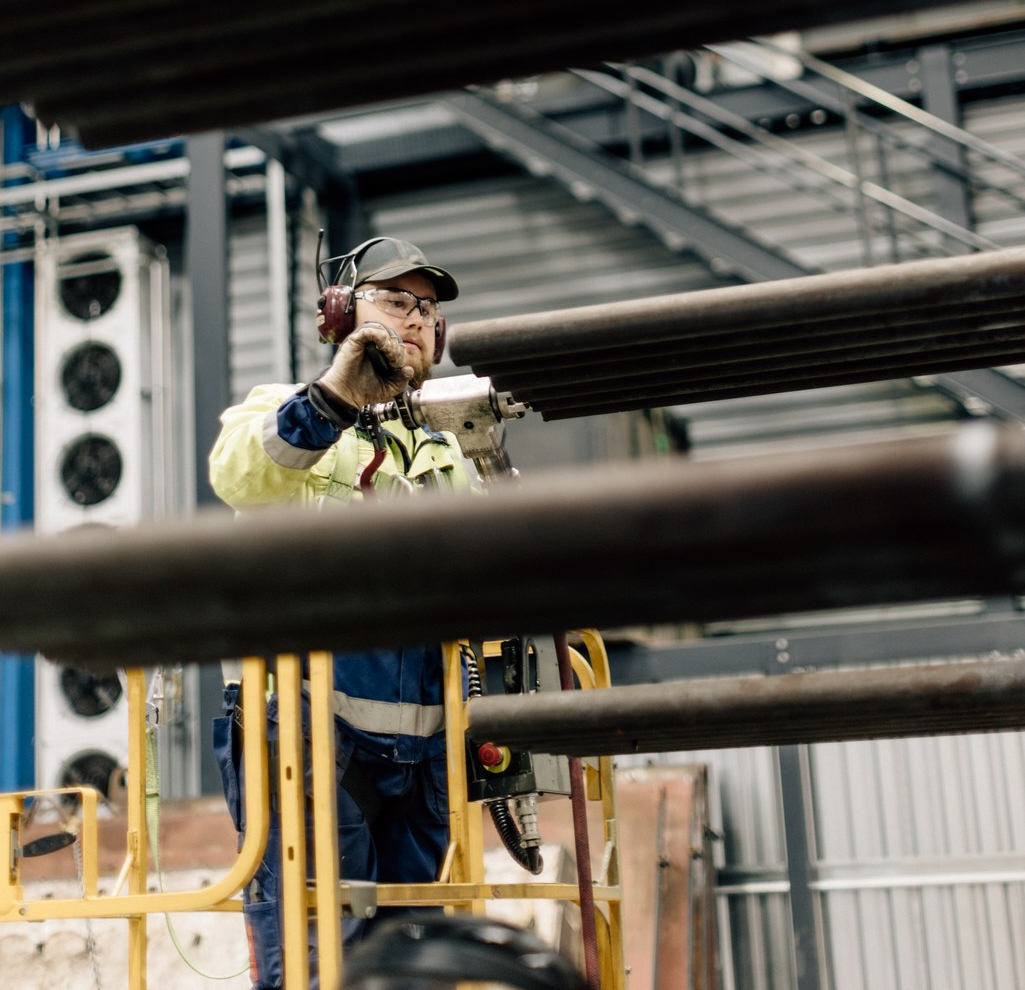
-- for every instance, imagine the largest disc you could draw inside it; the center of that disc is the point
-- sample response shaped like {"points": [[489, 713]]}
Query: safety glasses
{"points": [[399, 302]]}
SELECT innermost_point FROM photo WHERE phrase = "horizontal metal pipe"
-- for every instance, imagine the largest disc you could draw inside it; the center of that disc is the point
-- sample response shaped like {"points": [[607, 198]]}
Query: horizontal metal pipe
{"points": [[601, 402], [876, 356], [599, 546], [917, 332], [863, 292], [713, 713]]}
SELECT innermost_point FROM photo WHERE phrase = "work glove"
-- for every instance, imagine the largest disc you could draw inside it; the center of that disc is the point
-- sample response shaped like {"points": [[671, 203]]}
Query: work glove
{"points": [[359, 378]]}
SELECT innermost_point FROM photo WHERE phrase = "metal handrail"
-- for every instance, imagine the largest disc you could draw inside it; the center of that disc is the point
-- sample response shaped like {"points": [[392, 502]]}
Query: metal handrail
{"points": [[821, 166], [219, 895], [846, 105], [889, 101], [708, 133]]}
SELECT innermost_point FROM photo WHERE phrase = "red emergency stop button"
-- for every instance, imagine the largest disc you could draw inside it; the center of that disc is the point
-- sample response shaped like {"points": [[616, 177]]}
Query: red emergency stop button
{"points": [[493, 757]]}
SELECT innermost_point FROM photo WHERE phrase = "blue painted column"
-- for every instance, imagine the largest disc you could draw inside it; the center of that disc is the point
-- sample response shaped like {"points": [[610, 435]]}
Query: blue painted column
{"points": [[17, 688]]}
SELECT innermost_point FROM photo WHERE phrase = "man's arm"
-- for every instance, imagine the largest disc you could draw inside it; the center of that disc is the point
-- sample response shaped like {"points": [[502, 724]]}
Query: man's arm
{"points": [[270, 447]]}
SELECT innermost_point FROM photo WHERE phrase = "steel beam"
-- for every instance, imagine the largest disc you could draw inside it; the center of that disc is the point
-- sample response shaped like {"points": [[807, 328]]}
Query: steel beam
{"points": [[189, 67], [998, 393], [714, 713], [601, 546], [207, 253], [935, 316], [880, 641]]}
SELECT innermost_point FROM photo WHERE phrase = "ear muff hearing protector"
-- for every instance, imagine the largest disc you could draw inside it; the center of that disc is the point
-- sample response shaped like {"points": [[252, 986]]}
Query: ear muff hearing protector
{"points": [[336, 307]]}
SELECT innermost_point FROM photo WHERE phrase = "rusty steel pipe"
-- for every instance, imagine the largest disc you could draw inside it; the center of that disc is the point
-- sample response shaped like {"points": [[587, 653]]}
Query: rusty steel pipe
{"points": [[567, 407], [714, 713], [893, 321], [571, 406], [962, 281], [904, 332], [714, 369], [601, 546]]}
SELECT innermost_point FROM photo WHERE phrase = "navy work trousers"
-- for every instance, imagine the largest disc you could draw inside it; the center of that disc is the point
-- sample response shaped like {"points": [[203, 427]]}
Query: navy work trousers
{"points": [[398, 837]]}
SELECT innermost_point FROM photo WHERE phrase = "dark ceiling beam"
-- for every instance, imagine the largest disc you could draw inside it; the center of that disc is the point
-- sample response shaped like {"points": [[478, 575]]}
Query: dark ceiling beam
{"points": [[121, 71], [991, 60], [603, 546]]}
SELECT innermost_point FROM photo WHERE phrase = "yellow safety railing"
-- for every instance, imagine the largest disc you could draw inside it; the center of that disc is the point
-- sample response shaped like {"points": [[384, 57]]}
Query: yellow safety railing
{"points": [[461, 885], [137, 902]]}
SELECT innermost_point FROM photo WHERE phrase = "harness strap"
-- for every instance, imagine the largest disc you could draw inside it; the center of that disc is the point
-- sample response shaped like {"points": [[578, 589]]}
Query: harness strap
{"points": [[342, 482]]}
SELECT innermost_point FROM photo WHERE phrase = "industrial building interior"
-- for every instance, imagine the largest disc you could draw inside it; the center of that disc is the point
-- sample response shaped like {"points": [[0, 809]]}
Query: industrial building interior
{"points": [[655, 179]]}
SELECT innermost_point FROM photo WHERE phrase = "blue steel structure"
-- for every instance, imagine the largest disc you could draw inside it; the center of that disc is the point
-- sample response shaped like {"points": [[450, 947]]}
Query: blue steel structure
{"points": [[17, 688]]}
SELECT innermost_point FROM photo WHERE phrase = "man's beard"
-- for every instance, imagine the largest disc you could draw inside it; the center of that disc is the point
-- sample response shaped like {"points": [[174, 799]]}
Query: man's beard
{"points": [[421, 375]]}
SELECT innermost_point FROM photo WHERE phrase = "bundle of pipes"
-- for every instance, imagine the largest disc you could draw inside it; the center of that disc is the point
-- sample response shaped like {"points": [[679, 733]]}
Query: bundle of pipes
{"points": [[600, 546], [895, 321]]}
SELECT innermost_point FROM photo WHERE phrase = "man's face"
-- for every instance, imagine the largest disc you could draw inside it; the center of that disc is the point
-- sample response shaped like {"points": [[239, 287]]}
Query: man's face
{"points": [[415, 333]]}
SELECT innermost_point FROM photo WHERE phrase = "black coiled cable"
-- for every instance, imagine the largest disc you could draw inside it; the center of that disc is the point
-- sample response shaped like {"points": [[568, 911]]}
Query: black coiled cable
{"points": [[505, 823]]}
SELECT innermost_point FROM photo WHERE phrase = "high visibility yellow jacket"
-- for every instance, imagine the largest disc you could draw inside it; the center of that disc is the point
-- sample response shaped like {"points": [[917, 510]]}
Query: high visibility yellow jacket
{"points": [[275, 448]]}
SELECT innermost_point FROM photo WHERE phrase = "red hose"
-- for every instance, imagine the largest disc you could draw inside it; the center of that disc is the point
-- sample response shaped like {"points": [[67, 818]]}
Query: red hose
{"points": [[366, 478], [580, 835]]}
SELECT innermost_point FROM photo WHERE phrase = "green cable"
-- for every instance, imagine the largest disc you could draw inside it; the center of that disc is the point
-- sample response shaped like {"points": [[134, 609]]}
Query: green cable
{"points": [[153, 830]]}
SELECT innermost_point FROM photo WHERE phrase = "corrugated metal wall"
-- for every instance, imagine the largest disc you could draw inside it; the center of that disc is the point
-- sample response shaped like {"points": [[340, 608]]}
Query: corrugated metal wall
{"points": [[523, 245], [271, 340], [920, 847], [252, 347], [918, 870]]}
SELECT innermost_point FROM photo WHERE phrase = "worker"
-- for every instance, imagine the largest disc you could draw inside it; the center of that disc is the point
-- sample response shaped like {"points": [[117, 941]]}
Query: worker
{"points": [[313, 445]]}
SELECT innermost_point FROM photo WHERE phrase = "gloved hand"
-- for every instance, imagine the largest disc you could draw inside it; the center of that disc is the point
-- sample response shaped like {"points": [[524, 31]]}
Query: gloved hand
{"points": [[352, 376]]}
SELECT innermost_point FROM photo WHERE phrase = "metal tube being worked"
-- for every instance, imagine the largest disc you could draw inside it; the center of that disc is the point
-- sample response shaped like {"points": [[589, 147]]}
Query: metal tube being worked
{"points": [[971, 696], [706, 372], [781, 347], [911, 318], [758, 381], [599, 546]]}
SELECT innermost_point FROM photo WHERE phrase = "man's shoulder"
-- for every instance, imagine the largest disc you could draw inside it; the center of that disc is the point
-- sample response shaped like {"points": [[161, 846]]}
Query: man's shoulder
{"points": [[272, 393]]}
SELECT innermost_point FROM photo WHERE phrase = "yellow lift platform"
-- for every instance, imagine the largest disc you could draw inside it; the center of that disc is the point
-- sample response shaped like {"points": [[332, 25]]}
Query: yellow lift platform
{"points": [[460, 887]]}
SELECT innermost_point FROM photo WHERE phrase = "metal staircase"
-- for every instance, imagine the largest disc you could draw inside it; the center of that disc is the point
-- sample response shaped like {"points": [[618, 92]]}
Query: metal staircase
{"points": [[546, 147], [931, 218]]}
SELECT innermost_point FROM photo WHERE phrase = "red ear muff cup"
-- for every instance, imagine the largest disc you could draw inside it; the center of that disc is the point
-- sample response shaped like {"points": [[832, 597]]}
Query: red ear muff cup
{"points": [[336, 317], [440, 330]]}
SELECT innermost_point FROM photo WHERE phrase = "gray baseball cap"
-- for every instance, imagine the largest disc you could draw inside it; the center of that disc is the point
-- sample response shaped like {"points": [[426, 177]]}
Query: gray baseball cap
{"points": [[388, 257]]}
